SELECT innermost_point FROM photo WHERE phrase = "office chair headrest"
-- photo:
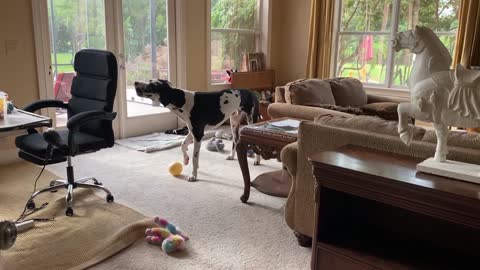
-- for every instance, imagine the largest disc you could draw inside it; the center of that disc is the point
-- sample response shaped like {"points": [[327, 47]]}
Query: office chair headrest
{"points": [[96, 63]]}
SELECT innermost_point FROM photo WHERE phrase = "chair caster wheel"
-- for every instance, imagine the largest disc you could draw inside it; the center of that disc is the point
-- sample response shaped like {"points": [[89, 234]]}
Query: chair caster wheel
{"points": [[69, 212], [95, 182], [53, 183], [109, 198], [30, 205]]}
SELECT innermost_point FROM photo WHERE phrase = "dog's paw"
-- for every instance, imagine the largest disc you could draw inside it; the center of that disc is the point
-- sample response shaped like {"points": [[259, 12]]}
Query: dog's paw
{"points": [[230, 158], [256, 162], [186, 160], [192, 178]]}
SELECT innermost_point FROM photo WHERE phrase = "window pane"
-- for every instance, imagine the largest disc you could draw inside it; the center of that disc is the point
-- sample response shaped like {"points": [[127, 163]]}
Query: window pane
{"points": [[363, 57], [366, 15], [233, 14], [74, 25], [440, 15], [404, 59], [144, 24], [226, 51]]}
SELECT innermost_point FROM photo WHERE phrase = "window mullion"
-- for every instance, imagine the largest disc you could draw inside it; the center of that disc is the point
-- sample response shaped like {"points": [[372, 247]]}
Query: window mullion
{"points": [[391, 53]]}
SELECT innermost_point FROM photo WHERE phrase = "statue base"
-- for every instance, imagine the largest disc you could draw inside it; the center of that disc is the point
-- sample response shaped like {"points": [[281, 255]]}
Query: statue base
{"points": [[453, 169]]}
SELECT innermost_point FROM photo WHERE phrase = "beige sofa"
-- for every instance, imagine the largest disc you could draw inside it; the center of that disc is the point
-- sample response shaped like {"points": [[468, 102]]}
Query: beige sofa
{"points": [[331, 132], [303, 99]]}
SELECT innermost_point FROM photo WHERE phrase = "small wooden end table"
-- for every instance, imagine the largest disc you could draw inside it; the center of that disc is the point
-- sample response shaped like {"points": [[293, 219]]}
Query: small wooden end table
{"points": [[266, 139], [375, 211]]}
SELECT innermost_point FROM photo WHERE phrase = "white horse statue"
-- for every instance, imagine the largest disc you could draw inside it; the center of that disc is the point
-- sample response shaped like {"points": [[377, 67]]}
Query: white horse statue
{"points": [[439, 95]]}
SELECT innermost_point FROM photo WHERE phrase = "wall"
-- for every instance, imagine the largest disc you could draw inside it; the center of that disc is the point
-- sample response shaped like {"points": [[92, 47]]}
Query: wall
{"points": [[18, 74], [191, 39], [290, 25]]}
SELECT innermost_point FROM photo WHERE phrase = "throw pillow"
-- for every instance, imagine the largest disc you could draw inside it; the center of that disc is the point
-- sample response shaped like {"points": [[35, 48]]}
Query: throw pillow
{"points": [[370, 124], [385, 110], [348, 92], [309, 92]]}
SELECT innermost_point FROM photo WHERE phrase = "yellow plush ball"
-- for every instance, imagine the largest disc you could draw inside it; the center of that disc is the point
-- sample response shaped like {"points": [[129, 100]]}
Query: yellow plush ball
{"points": [[175, 168]]}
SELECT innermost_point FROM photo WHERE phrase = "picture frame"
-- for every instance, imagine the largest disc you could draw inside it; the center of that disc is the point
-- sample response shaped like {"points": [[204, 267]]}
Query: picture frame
{"points": [[252, 61]]}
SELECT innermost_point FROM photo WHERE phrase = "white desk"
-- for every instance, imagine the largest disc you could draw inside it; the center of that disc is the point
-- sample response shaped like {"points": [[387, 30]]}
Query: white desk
{"points": [[22, 120], [13, 125]]}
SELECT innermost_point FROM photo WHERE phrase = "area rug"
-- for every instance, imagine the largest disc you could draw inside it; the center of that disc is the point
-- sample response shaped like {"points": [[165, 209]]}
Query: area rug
{"points": [[97, 230], [156, 141]]}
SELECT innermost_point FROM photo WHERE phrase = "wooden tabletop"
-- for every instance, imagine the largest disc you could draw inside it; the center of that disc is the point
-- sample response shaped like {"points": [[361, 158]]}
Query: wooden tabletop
{"points": [[392, 166]]}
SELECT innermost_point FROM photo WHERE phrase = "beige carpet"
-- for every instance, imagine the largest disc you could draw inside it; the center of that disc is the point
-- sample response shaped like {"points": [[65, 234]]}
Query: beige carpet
{"points": [[96, 231], [225, 233]]}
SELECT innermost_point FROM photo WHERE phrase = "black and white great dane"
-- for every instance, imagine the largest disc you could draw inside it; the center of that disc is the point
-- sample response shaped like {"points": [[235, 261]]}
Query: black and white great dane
{"points": [[201, 110]]}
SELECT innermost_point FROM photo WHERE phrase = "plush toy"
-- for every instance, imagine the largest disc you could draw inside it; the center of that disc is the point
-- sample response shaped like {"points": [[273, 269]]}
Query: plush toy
{"points": [[229, 73], [216, 145], [169, 237]]}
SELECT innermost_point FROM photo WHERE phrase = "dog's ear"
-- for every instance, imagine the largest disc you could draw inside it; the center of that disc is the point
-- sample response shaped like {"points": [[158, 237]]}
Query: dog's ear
{"points": [[166, 82]]}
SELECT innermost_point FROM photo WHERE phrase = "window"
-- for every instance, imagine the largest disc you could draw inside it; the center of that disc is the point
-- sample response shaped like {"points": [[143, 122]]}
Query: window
{"points": [[73, 25], [234, 29], [364, 30]]}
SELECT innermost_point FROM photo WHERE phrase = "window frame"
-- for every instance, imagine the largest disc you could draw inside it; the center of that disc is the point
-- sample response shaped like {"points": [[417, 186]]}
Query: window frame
{"points": [[263, 9], [388, 85]]}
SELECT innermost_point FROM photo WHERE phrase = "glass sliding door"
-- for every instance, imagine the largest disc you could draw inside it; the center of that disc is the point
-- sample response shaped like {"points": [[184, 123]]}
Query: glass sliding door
{"points": [[139, 32], [146, 46], [73, 25]]}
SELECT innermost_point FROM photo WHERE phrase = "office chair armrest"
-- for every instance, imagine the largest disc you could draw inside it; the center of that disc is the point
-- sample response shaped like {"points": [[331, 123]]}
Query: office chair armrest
{"points": [[47, 103], [76, 121]]}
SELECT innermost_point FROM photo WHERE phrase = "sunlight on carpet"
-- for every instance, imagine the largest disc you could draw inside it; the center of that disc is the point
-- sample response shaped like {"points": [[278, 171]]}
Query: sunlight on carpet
{"points": [[97, 230]]}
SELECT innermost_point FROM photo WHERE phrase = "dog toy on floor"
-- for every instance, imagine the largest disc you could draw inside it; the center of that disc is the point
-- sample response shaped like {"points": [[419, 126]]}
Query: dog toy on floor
{"points": [[216, 145], [175, 168], [166, 235]]}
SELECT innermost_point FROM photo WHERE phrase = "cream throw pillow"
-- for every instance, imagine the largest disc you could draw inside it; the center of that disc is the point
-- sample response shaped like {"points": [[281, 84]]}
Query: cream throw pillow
{"points": [[309, 92]]}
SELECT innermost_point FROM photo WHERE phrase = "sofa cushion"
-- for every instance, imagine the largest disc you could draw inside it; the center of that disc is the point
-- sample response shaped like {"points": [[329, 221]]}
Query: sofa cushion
{"points": [[369, 124], [385, 110], [348, 92], [456, 138], [309, 92], [350, 110]]}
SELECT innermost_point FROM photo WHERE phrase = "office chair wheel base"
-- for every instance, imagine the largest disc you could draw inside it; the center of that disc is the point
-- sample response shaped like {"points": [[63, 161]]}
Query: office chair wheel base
{"points": [[109, 198], [30, 204], [69, 212]]}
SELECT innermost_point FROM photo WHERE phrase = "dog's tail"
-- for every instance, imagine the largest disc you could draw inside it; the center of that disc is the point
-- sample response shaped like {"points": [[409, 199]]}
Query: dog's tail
{"points": [[256, 108]]}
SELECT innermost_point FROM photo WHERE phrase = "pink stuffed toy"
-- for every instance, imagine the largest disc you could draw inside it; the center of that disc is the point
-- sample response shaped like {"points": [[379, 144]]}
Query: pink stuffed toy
{"points": [[166, 235]]}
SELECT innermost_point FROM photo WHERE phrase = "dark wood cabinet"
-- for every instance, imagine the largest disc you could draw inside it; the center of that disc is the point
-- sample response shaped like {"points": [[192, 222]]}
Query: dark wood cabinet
{"points": [[374, 211]]}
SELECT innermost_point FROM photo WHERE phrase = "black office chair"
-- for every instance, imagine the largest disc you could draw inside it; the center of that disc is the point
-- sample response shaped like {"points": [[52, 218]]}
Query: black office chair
{"points": [[89, 123]]}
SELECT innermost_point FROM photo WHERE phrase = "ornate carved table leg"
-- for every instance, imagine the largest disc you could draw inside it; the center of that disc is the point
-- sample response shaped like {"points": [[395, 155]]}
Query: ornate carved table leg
{"points": [[242, 160]]}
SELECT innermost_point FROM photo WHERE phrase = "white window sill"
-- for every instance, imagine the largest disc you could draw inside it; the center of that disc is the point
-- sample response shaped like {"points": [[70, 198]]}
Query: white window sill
{"points": [[389, 92], [219, 86]]}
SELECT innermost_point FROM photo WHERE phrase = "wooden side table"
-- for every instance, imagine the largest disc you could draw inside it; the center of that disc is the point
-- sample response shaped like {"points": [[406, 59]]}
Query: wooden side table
{"points": [[266, 139], [374, 211]]}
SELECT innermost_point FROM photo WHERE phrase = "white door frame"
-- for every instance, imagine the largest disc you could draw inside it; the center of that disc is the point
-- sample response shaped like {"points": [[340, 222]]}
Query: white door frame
{"points": [[42, 52]]}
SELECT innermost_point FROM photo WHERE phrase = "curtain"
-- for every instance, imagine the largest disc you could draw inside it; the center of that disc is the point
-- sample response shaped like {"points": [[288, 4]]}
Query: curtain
{"points": [[467, 48], [320, 38]]}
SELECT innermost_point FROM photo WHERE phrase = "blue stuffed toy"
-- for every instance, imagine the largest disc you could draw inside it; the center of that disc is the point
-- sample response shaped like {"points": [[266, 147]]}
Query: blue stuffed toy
{"points": [[215, 145]]}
